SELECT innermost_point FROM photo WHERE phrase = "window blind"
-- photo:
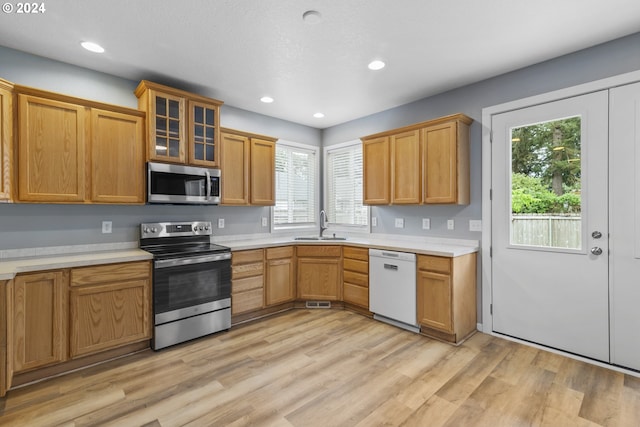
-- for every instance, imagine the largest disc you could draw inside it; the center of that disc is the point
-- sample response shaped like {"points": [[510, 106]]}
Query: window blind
{"points": [[296, 186], [344, 186]]}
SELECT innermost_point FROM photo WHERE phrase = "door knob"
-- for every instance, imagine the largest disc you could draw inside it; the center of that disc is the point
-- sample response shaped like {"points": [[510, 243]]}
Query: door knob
{"points": [[596, 234], [596, 250]]}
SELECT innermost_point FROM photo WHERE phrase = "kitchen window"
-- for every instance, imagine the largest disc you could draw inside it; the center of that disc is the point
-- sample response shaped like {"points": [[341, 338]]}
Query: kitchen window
{"points": [[343, 187], [297, 192]]}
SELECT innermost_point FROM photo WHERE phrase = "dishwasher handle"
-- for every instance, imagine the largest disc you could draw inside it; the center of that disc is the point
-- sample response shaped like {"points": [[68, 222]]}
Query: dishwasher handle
{"points": [[392, 255], [391, 267]]}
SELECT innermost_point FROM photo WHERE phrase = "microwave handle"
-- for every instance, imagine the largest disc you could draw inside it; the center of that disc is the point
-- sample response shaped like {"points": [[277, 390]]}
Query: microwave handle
{"points": [[208, 197]]}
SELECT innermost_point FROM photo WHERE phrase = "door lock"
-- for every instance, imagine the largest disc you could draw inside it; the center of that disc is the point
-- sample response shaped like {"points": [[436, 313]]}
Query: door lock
{"points": [[596, 250], [596, 234]]}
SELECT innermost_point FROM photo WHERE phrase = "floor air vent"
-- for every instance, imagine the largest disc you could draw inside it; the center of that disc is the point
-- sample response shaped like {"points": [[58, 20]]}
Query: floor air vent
{"points": [[318, 304]]}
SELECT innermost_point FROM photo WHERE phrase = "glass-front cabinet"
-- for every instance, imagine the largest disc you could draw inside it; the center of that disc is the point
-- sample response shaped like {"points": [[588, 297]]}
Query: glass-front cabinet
{"points": [[204, 134], [182, 127]]}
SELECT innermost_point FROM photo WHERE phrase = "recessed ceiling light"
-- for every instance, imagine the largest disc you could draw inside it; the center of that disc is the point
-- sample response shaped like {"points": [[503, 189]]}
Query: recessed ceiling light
{"points": [[318, 115], [266, 99], [376, 65], [311, 17], [93, 47]]}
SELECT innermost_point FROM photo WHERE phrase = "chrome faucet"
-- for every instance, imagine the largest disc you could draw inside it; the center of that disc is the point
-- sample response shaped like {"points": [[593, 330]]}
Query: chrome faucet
{"points": [[323, 221]]}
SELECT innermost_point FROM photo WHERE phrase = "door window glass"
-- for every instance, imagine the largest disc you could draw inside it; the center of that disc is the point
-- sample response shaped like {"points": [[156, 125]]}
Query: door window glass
{"points": [[546, 176]]}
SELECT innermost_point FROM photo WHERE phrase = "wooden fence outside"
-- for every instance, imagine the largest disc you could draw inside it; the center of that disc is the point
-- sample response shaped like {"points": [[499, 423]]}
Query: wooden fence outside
{"points": [[559, 231]]}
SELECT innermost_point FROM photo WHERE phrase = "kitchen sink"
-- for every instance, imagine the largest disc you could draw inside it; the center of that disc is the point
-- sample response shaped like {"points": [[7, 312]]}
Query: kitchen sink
{"points": [[319, 238]]}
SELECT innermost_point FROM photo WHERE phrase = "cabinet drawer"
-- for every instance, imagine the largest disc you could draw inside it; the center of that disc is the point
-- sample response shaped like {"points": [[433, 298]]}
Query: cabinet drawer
{"points": [[356, 278], [246, 301], [356, 253], [434, 263], [319, 251], [356, 295], [283, 252], [356, 265], [110, 273], [247, 270], [247, 284], [244, 257]]}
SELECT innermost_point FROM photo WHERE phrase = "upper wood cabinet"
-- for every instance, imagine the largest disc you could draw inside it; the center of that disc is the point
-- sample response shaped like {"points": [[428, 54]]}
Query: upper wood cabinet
{"points": [[117, 157], [445, 169], [376, 170], [247, 168], [52, 159], [71, 150], [427, 162], [6, 138], [182, 127], [405, 168]]}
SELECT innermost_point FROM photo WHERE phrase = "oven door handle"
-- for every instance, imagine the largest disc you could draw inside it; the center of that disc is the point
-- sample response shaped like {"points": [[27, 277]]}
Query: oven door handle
{"points": [[165, 263]]}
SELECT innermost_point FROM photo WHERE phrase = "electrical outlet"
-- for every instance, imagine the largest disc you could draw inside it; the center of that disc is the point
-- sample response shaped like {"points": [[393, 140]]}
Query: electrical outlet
{"points": [[426, 223], [265, 221], [399, 222], [450, 224], [107, 227], [475, 225], [220, 222], [374, 221]]}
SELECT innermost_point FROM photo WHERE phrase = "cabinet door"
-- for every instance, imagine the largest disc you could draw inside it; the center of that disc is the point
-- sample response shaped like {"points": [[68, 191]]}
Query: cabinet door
{"points": [[6, 141], [204, 147], [405, 168], [39, 319], [235, 169], [3, 337], [440, 163], [319, 278], [51, 150], [117, 157], [263, 172], [434, 300], [109, 315], [280, 281], [376, 172], [166, 118]]}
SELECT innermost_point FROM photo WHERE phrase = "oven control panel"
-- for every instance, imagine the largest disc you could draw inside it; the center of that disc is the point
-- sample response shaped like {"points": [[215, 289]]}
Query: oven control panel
{"points": [[170, 229]]}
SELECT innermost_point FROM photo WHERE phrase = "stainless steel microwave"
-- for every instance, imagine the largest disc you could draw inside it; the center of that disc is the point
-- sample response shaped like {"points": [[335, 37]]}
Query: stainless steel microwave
{"points": [[182, 185]]}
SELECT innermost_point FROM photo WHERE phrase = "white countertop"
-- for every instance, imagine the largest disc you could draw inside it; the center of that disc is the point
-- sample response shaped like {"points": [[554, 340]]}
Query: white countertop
{"points": [[424, 246], [17, 261], [12, 266]]}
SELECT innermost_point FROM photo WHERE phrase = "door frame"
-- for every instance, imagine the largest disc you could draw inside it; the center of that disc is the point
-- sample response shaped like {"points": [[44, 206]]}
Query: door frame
{"points": [[487, 318]]}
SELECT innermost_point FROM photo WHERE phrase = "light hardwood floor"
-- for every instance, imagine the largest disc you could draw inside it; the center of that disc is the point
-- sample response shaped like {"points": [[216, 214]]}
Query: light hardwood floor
{"points": [[332, 368]]}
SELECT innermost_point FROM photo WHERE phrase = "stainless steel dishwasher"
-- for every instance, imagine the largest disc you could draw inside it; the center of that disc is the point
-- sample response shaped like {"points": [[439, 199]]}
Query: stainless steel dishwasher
{"points": [[392, 288]]}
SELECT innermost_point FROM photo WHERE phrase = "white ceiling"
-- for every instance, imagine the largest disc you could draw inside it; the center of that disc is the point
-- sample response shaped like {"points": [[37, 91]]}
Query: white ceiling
{"points": [[239, 50]]}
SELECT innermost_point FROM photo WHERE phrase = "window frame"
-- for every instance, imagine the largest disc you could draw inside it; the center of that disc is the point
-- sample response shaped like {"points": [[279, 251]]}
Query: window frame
{"points": [[306, 227], [341, 227]]}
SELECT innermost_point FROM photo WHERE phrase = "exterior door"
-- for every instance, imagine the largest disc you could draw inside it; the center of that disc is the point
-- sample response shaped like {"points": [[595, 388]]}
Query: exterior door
{"points": [[550, 224], [625, 225]]}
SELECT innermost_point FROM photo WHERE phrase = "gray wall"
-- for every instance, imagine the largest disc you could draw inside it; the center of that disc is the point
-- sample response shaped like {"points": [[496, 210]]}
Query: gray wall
{"points": [[38, 225], [606, 60], [45, 225]]}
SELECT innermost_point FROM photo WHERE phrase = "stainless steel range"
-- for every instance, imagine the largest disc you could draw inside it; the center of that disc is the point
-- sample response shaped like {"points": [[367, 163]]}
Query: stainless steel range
{"points": [[191, 281]]}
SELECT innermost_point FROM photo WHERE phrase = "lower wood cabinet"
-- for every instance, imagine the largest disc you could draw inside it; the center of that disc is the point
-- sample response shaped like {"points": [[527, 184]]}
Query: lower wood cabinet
{"points": [[355, 276], [3, 337], [319, 272], [110, 306], [280, 281], [247, 281], [446, 296], [39, 319]]}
